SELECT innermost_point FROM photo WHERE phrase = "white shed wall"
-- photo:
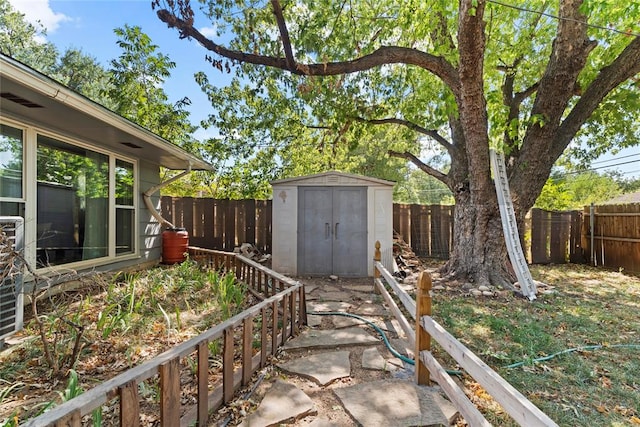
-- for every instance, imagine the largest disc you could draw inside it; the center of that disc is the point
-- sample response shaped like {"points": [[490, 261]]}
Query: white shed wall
{"points": [[381, 222], [284, 229]]}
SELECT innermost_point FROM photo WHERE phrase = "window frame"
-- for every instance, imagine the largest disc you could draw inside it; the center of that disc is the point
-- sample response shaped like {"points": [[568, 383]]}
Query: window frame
{"points": [[29, 196], [23, 129]]}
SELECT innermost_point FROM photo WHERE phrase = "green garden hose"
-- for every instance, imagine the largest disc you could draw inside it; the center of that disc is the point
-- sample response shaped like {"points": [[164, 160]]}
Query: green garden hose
{"points": [[380, 331], [370, 323], [571, 350]]}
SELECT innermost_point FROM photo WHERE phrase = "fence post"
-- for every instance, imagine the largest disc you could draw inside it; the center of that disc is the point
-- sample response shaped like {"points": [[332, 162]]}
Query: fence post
{"points": [[592, 230], [423, 339], [377, 256], [237, 266]]}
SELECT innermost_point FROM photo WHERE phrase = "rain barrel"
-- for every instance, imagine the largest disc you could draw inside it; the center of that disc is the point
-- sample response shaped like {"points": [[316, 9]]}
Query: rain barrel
{"points": [[175, 242]]}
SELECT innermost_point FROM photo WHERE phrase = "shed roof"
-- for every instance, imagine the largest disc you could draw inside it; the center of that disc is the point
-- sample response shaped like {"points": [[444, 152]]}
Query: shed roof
{"points": [[333, 178], [29, 95]]}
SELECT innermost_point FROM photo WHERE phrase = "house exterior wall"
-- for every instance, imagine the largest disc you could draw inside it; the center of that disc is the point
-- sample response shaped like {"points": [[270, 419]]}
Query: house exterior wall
{"points": [[149, 229]]}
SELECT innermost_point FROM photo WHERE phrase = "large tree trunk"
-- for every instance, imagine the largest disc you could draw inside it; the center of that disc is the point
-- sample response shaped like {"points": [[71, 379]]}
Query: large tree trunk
{"points": [[479, 253]]}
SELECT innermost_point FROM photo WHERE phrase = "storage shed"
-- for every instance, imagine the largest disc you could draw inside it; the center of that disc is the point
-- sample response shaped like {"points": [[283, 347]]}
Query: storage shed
{"points": [[328, 224]]}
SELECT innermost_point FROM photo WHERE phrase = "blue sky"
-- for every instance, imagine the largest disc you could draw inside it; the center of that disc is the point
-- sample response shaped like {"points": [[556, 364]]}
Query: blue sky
{"points": [[89, 24]]}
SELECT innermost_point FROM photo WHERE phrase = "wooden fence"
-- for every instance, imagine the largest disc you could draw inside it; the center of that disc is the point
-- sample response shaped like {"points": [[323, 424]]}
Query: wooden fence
{"points": [[428, 229], [549, 237], [225, 224], [616, 236], [521, 410], [221, 224], [555, 237], [245, 340]]}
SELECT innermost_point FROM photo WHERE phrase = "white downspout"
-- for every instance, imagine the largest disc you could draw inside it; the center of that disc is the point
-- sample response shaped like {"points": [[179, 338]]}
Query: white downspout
{"points": [[147, 197]]}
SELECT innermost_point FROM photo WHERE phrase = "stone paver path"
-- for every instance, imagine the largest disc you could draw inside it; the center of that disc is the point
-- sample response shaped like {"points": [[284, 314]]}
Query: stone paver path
{"points": [[338, 373]]}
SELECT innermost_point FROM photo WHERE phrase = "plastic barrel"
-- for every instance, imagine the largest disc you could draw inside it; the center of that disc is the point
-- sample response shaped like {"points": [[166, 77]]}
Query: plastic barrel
{"points": [[175, 242]]}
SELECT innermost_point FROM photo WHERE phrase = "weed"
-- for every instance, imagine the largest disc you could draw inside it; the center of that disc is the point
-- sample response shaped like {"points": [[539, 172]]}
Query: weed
{"points": [[149, 392], [215, 347], [73, 388], [6, 391]]}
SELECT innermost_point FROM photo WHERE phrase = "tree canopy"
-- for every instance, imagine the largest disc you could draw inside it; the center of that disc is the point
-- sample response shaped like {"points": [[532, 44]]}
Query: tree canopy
{"points": [[528, 80]]}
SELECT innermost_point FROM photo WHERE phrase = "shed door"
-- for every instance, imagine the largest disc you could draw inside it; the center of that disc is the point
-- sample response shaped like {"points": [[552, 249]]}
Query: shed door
{"points": [[332, 235]]}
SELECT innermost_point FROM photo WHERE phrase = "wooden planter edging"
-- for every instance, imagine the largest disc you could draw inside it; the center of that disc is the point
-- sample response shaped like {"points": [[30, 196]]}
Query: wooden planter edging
{"points": [[523, 411], [280, 315]]}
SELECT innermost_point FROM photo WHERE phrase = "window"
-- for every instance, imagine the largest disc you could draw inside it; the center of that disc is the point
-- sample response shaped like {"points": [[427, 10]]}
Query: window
{"points": [[72, 203], [11, 180], [79, 203], [125, 209]]}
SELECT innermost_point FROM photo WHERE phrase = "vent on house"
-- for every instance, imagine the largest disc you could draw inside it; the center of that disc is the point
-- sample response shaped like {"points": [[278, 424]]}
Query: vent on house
{"points": [[20, 100], [130, 145], [11, 268]]}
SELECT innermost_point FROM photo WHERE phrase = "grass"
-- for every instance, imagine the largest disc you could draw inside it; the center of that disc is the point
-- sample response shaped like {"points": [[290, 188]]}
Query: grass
{"points": [[599, 387], [127, 318]]}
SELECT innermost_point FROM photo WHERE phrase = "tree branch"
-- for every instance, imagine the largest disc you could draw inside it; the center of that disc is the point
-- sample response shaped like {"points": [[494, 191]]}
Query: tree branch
{"points": [[437, 65], [513, 102], [624, 67], [284, 35], [341, 133], [568, 57], [432, 133], [521, 96], [421, 165]]}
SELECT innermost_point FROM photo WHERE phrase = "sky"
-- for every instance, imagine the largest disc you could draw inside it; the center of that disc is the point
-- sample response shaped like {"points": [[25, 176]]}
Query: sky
{"points": [[88, 25]]}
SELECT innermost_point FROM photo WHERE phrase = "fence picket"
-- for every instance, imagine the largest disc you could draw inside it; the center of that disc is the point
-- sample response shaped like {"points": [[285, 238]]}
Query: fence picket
{"points": [[129, 404], [170, 393]]}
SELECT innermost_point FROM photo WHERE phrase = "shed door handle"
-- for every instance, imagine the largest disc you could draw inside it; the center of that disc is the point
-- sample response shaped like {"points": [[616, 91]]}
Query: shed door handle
{"points": [[335, 232], [327, 230]]}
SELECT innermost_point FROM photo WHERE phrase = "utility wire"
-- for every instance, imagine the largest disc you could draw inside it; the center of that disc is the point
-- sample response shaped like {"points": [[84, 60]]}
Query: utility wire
{"points": [[617, 158], [600, 27], [601, 167]]}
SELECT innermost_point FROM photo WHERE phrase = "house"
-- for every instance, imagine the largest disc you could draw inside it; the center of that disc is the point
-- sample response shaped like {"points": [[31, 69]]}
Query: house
{"points": [[624, 199], [79, 175]]}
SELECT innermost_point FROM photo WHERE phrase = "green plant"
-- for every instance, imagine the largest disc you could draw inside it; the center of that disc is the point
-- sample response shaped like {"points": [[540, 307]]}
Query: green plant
{"points": [[149, 390], [215, 347], [12, 420], [6, 391], [73, 388], [192, 363], [229, 294]]}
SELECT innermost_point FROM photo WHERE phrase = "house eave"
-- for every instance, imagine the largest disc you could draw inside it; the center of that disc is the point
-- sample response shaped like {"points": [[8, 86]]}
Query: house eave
{"points": [[91, 120]]}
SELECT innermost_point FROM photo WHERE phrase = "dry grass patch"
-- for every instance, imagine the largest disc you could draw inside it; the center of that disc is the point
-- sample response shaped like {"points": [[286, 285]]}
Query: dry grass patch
{"points": [[592, 327]]}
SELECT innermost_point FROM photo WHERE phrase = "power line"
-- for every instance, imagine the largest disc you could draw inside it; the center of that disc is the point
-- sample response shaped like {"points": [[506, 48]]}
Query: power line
{"points": [[602, 167], [617, 158], [600, 27], [563, 175]]}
